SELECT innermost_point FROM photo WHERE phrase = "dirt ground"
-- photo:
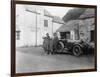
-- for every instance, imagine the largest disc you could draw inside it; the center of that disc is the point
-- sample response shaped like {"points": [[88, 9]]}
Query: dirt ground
{"points": [[34, 59]]}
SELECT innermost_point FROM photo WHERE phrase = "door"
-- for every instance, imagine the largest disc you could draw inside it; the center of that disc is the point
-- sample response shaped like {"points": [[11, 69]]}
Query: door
{"points": [[92, 36]]}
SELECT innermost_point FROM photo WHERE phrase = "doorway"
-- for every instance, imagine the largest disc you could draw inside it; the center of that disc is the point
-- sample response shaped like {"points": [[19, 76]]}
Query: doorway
{"points": [[92, 35]]}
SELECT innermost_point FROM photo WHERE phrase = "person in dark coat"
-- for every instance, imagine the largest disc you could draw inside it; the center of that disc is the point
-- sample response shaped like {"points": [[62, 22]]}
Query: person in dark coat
{"points": [[55, 42], [46, 43], [51, 46]]}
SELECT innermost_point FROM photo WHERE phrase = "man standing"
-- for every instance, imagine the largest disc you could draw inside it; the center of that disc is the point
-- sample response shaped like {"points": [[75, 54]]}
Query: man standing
{"points": [[55, 42]]}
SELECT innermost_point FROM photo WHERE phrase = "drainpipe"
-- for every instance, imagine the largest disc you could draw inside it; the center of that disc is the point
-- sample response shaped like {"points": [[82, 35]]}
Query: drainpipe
{"points": [[36, 28], [52, 28]]}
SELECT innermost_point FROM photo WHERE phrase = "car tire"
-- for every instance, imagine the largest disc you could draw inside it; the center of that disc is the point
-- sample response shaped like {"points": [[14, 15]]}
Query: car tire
{"points": [[77, 50], [60, 47]]}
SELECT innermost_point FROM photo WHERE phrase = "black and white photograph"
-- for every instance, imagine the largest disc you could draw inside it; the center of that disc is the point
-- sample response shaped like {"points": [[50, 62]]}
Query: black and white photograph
{"points": [[54, 38]]}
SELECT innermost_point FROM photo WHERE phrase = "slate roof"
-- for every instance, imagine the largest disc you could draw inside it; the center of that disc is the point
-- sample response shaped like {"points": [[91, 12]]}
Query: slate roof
{"points": [[79, 13], [73, 14], [88, 13]]}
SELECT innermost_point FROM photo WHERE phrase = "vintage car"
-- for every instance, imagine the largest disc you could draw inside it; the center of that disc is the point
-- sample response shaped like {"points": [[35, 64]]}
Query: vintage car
{"points": [[75, 47]]}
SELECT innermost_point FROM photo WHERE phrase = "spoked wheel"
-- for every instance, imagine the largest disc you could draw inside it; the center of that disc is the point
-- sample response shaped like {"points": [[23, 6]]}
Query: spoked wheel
{"points": [[60, 47], [77, 50]]}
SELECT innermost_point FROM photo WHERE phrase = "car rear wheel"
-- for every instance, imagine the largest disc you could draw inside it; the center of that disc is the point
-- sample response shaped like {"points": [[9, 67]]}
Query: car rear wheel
{"points": [[77, 50]]}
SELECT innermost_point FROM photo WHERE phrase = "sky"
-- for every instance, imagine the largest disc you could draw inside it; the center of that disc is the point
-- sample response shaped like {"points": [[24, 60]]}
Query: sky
{"points": [[57, 11]]}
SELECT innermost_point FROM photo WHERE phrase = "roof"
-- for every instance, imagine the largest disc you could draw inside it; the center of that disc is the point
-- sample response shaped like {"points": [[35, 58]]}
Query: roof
{"points": [[88, 13], [79, 13], [58, 20], [32, 9], [35, 9], [73, 14], [69, 25], [46, 13], [73, 17]]}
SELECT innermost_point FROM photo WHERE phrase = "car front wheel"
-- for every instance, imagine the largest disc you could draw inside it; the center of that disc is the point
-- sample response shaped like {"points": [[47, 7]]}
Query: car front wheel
{"points": [[60, 47]]}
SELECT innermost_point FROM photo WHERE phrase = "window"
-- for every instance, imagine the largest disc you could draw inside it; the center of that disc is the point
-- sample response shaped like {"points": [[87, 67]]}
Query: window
{"points": [[18, 35], [45, 23], [65, 35]]}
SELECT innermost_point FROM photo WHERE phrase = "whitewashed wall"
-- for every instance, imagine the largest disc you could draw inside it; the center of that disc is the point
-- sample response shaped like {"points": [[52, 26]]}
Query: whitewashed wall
{"points": [[27, 21], [50, 25]]}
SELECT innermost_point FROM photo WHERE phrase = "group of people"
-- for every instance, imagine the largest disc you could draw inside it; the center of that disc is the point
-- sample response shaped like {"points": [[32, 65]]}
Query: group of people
{"points": [[50, 44]]}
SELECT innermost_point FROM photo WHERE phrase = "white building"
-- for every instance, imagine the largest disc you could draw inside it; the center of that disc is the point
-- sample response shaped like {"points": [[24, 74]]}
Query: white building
{"points": [[32, 23]]}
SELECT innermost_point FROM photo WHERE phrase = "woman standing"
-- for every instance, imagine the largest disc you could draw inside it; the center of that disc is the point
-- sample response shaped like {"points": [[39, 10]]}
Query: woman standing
{"points": [[46, 43]]}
